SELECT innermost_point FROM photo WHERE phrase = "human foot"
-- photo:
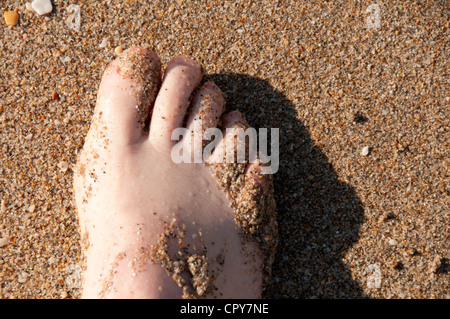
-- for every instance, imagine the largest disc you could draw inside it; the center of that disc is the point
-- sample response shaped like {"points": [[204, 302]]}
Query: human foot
{"points": [[155, 229]]}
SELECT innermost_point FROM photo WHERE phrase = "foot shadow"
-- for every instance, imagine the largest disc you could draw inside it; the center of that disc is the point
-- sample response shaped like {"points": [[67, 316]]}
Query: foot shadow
{"points": [[319, 216]]}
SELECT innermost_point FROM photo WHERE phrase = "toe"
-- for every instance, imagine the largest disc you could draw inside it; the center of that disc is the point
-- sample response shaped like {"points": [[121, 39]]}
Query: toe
{"points": [[207, 106], [126, 94], [232, 147], [182, 76], [230, 157]]}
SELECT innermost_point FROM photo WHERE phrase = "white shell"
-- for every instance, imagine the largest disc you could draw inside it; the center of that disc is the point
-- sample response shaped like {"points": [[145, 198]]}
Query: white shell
{"points": [[29, 7], [365, 151], [42, 6]]}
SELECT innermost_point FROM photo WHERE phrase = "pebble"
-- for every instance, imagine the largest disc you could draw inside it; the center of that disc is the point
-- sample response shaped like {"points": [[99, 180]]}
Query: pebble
{"points": [[104, 43], [11, 17], [32, 208], [22, 277], [393, 242], [3, 207], [42, 7], [365, 151], [118, 50], [65, 59], [63, 166]]}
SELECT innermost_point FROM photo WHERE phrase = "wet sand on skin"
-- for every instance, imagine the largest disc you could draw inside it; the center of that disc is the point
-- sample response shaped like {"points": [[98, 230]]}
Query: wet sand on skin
{"points": [[350, 225]]}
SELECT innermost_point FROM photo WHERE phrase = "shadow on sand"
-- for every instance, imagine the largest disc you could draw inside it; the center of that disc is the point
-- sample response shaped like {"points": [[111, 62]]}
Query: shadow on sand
{"points": [[319, 216]]}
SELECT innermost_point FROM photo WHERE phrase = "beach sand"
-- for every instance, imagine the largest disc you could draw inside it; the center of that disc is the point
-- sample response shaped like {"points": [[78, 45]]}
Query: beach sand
{"points": [[362, 106]]}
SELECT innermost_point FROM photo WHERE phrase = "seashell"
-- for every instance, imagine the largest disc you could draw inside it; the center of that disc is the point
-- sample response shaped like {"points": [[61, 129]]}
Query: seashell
{"points": [[42, 6], [365, 151], [29, 7], [11, 17]]}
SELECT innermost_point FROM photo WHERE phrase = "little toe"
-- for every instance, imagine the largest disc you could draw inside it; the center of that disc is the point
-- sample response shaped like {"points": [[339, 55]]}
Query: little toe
{"points": [[126, 94], [182, 76]]}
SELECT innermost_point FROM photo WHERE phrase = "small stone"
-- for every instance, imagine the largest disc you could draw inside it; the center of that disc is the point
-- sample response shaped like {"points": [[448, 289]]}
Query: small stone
{"points": [[11, 17], [65, 59], [63, 166], [118, 50], [104, 43], [66, 121], [32, 208], [3, 242], [360, 118], [22, 277], [399, 266], [29, 137], [42, 7], [365, 151], [64, 294], [55, 96], [393, 242]]}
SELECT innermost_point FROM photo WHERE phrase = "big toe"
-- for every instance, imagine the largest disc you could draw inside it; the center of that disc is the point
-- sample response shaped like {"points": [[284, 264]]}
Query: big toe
{"points": [[126, 95]]}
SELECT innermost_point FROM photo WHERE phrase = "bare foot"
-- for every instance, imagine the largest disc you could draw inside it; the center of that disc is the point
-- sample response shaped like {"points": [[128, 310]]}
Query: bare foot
{"points": [[152, 228]]}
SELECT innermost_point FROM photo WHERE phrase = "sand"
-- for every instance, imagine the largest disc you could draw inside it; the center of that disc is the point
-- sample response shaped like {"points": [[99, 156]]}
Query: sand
{"points": [[362, 106]]}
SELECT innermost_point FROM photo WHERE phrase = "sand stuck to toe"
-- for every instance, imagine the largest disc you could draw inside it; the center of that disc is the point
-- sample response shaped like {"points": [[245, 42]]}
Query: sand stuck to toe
{"points": [[359, 91]]}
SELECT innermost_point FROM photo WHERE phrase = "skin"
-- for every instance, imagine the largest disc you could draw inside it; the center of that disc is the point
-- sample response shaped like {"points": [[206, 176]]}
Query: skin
{"points": [[141, 214]]}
